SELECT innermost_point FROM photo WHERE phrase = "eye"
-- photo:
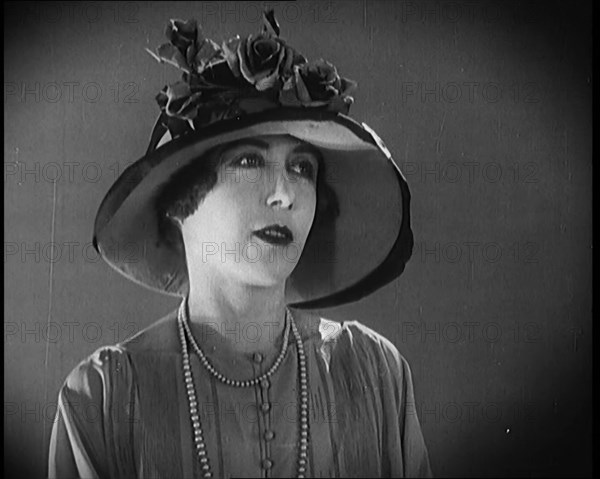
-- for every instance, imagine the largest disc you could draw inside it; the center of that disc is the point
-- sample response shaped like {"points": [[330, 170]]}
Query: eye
{"points": [[305, 168], [249, 160]]}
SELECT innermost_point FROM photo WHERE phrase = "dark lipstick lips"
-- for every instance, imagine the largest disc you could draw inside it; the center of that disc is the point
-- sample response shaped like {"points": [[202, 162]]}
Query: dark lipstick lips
{"points": [[275, 234]]}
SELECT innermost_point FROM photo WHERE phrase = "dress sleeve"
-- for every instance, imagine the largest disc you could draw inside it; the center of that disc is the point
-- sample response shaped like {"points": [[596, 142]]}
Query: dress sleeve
{"points": [[92, 432], [413, 459]]}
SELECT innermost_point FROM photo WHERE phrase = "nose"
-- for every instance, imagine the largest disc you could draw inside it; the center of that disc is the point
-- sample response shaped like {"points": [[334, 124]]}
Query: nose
{"points": [[282, 195]]}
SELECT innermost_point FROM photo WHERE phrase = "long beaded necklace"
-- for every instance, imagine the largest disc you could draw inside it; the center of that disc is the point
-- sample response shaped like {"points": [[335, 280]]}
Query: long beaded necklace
{"points": [[185, 335]]}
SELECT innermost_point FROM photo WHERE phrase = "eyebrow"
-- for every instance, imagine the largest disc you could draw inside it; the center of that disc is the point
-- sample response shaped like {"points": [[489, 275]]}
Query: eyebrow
{"points": [[308, 148]]}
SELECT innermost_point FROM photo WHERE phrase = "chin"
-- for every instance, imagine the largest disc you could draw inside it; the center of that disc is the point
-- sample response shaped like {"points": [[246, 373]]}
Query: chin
{"points": [[267, 274]]}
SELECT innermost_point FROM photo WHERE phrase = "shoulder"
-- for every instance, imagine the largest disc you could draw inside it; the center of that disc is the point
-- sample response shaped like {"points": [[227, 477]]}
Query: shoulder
{"points": [[110, 364], [358, 334], [375, 341], [355, 340], [97, 375], [160, 336]]}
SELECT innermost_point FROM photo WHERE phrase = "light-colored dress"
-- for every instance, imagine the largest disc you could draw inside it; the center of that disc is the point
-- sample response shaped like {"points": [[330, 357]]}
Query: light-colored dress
{"points": [[124, 412]]}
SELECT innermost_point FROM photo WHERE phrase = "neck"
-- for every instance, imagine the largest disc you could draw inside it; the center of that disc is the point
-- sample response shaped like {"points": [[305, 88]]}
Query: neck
{"points": [[250, 318]]}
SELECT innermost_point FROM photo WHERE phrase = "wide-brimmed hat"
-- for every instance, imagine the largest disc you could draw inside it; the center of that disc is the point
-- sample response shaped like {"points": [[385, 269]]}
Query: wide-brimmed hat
{"points": [[252, 87]]}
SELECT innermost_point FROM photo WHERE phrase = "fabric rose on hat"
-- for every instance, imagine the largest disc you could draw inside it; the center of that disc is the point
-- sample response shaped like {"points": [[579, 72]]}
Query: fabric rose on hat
{"points": [[262, 60], [182, 33], [187, 49], [259, 59], [178, 100], [318, 84]]}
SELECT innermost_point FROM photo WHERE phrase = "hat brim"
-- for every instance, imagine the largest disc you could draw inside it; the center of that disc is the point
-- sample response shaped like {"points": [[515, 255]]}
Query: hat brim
{"points": [[366, 247]]}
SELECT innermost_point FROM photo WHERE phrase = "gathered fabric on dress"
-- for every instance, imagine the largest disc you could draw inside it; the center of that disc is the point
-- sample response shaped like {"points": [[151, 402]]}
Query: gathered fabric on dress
{"points": [[124, 413]]}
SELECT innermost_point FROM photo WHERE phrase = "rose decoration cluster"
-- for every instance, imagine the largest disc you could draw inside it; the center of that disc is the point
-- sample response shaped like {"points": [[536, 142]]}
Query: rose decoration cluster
{"points": [[242, 76]]}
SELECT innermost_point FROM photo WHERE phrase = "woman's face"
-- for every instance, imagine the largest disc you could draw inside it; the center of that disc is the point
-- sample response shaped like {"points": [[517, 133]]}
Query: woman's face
{"points": [[252, 226]]}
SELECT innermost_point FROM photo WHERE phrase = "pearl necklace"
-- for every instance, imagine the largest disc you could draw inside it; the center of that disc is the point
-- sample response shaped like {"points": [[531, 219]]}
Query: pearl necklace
{"points": [[185, 335]]}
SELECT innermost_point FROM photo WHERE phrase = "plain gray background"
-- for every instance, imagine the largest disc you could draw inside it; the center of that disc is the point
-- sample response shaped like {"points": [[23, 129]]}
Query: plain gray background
{"points": [[486, 106]]}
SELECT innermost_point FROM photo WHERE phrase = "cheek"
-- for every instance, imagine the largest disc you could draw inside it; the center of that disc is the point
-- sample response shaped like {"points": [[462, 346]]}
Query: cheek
{"points": [[310, 206], [234, 206], [313, 206], [217, 213]]}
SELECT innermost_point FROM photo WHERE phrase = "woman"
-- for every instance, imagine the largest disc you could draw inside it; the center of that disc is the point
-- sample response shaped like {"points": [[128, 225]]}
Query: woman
{"points": [[258, 199]]}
